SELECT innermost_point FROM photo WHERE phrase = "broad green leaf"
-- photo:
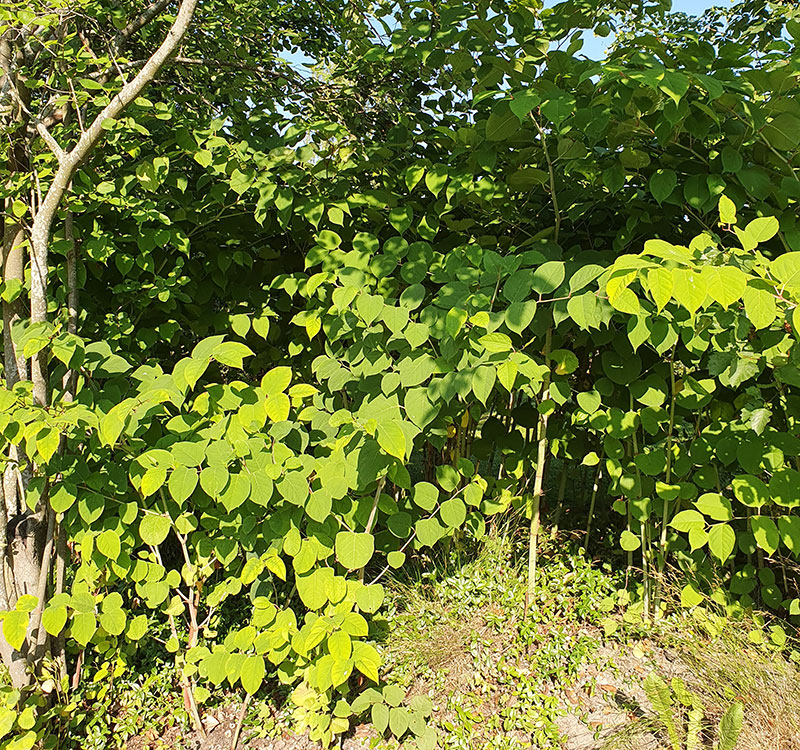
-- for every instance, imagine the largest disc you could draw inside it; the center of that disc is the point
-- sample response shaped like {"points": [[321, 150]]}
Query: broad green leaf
{"points": [[689, 289], [392, 439], [152, 480], [726, 284], [277, 407], [83, 627], [340, 645], [687, 519], [548, 277], [231, 353], [113, 622], [453, 512], [108, 544], [715, 506], [766, 533], [727, 210], [730, 727], [54, 618], [354, 550], [502, 123], [252, 673], [153, 529], [760, 230], [426, 495], [629, 541], [495, 342], [721, 541], [759, 305], [15, 627], [276, 380], [507, 374], [660, 283], [483, 379], [523, 102], [662, 183], [182, 482]]}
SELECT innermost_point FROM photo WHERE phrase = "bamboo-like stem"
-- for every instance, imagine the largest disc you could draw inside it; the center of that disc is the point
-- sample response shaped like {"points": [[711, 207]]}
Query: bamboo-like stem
{"points": [[597, 477], [242, 713], [534, 500], [662, 560], [372, 514], [642, 529], [562, 489]]}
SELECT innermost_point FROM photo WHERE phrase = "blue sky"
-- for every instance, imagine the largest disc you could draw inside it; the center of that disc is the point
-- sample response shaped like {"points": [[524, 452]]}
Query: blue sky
{"points": [[594, 46]]}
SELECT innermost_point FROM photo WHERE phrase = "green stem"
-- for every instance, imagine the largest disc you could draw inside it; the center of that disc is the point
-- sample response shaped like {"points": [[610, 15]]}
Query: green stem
{"points": [[662, 561], [534, 501]]}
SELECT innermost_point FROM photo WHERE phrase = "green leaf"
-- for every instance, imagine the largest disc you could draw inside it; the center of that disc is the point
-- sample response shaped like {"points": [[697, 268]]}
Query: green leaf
{"points": [[760, 230], [721, 541], [686, 520], [182, 482], [340, 645], [54, 618], [759, 305], [252, 673], [62, 496], [523, 103], [276, 380], [483, 379], [453, 512], [750, 491], [662, 183], [108, 544], [565, 361], [435, 179], [277, 407], [765, 532], [152, 480], [715, 506], [429, 531], [495, 342], [660, 282], [726, 284], [730, 727], [502, 123], [629, 541], [557, 105], [15, 627], [548, 277], [518, 315], [354, 550], [689, 289], [231, 353], [392, 439], [369, 599], [113, 621], [153, 529], [83, 627], [426, 495], [727, 210], [589, 401], [782, 132]]}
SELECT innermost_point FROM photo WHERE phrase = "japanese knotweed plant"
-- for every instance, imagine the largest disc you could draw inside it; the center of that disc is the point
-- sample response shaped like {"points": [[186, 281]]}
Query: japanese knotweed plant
{"points": [[696, 405]]}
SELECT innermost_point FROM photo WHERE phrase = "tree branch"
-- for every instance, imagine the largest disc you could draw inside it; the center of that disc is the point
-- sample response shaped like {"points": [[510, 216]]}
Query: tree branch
{"points": [[148, 14], [51, 142], [42, 224]]}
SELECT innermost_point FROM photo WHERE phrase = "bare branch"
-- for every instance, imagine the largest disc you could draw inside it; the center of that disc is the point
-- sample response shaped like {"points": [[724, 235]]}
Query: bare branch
{"points": [[51, 142], [119, 42]]}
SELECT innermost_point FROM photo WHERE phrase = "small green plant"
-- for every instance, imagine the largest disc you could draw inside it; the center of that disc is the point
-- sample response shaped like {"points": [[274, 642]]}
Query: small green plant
{"points": [[681, 713]]}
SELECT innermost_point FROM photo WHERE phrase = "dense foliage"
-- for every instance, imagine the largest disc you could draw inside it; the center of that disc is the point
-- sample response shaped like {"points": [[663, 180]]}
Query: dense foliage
{"points": [[327, 322]]}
